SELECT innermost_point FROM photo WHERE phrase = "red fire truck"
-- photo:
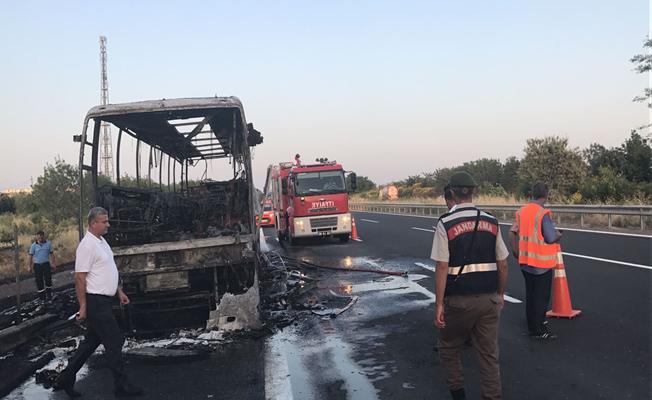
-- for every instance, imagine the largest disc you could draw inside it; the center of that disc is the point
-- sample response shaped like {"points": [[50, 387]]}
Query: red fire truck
{"points": [[310, 200]]}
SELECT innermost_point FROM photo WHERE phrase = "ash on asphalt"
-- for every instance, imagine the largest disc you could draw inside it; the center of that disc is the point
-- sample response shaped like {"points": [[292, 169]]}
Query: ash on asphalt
{"points": [[371, 350]]}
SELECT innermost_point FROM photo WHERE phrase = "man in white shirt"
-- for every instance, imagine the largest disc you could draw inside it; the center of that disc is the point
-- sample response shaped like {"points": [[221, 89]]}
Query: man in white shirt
{"points": [[96, 285]]}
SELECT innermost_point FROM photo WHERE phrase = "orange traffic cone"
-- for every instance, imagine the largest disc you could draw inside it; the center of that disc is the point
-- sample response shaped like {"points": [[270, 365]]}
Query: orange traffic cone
{"points": [[354, 230], [561, 302]]}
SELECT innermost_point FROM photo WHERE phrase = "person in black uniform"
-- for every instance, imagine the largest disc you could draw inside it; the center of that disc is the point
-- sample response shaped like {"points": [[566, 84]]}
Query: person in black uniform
{"points": [[470, 281]]}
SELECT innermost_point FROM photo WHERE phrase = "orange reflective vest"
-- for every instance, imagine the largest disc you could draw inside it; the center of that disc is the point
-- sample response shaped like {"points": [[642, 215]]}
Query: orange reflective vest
{"points": [[532, 248]]}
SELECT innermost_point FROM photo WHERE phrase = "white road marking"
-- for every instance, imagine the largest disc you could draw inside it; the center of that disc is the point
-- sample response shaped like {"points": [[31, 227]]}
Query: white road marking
{"points": [[264, 247], [277, 372], [510, 224], [369, 220], [511, 299], [593, 231], [425, 266], [422, 229], [607, 260], [431, 268]]}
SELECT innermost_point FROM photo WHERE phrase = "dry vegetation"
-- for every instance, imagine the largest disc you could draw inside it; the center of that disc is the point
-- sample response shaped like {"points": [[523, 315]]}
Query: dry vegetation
{"points": [[482, 199], [64, 246]]}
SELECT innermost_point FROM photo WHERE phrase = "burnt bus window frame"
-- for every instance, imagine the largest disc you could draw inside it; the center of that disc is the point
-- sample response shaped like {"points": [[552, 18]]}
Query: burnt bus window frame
{"points": [[233, 146]]}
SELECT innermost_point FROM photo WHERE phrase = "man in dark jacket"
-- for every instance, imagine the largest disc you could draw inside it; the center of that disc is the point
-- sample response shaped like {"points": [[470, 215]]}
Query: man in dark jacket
{"points": [[470, 282]]}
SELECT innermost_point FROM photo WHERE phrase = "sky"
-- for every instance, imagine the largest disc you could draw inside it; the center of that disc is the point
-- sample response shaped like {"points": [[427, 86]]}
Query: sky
{"points": [[389, 89]]}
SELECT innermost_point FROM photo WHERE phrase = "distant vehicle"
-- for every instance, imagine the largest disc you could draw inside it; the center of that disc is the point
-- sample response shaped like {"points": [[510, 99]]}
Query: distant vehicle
{"points": [[266, 217], [310, 200], [182, 246]]}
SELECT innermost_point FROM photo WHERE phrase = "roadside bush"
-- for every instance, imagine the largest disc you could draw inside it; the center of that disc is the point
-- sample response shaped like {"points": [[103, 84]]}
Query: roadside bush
{"points": [[607, 186], [25, 204], [404, 191], [7, 204], [487, 189], [367, 195], [7, 222], [420, 191]]}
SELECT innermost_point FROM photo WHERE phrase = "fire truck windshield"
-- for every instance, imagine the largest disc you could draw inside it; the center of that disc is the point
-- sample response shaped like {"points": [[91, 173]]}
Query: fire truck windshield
{"points": [[323, 182]]}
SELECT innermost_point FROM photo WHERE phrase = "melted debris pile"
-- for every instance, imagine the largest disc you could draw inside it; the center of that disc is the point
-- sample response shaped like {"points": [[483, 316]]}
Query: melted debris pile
{"points": [[62, 304], [287, 291]]}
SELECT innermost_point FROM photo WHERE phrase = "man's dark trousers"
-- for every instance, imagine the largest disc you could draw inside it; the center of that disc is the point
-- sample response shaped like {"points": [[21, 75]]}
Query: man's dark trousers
{"points": [[537, 299], [475, 317], [102, 328], [43, 277]]}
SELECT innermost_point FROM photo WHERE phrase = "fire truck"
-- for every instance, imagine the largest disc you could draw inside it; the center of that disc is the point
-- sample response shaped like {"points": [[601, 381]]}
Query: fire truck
{"points": [[310, 200]]}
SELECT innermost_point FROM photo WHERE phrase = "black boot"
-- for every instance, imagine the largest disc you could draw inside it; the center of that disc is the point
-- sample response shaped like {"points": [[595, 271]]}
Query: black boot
{"points": [[458, 394], [67, 385], [128, 390]]}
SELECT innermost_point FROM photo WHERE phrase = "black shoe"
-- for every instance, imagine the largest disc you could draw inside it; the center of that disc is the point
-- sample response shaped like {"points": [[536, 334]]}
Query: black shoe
{"points": [[545, 336], [66, 386], [128, 390], [458, 394]]}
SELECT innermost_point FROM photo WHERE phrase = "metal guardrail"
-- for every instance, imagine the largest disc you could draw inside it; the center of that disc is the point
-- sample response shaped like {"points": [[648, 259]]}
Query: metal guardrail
{"points": [[575, 213]]}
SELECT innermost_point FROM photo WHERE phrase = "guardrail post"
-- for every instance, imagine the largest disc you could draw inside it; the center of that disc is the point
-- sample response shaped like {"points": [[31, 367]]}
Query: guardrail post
{"points": [[17, 265], [609, 219], [642, 220], [581, 220]]}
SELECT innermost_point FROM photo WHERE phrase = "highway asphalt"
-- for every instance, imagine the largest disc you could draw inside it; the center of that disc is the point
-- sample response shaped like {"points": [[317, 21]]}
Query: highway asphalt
{"points": [[383, 347], [604, 353]]}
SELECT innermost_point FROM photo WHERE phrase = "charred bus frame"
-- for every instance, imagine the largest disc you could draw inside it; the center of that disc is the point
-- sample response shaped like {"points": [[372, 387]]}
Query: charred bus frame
{"points": [[179, 245]]}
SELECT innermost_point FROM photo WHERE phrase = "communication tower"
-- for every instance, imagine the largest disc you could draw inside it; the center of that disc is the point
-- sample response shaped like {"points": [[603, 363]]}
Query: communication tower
{"points": [[106, 148]]}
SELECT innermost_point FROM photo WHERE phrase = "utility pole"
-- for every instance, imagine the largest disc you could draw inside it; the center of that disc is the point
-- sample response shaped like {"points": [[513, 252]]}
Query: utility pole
{"points": [[106, 149]]}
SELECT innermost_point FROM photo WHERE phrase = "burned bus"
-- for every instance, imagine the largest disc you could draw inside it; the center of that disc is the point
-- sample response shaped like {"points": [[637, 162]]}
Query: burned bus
{"points": [[184, 242]]}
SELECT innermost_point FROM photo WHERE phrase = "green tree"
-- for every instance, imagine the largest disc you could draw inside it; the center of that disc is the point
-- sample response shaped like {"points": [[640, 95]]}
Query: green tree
{"points": [[637, 153], [56, 193], [486, 171], [364, 183], [550, 160], [607, 186], [509, 178], [25, 204], [598, 156], [643, 64], [441, 178], [7, 204]]}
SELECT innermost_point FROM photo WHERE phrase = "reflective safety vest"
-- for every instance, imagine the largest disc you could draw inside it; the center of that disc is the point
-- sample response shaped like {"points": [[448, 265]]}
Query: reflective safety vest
{"points": [[532, 248], [480, 272]]}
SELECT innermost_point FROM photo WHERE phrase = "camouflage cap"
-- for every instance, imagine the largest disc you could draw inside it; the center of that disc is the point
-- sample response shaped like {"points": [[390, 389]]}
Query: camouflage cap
{"points": [[462, 178]]}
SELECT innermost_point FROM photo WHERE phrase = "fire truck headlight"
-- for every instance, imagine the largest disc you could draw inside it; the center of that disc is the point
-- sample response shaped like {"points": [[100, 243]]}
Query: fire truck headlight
{"points": [[346, 218]]}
